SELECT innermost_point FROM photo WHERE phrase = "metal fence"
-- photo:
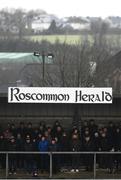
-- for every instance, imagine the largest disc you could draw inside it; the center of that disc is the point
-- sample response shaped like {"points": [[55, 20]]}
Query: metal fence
{"points": [[51, 155]]}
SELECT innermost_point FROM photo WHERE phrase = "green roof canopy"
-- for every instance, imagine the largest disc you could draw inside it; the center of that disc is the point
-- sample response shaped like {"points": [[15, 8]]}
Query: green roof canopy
{"points": [[22, 58]]}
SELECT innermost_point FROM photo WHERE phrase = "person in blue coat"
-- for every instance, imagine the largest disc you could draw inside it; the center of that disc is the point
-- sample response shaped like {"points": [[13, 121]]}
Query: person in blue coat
{"points": [[43, 146]]}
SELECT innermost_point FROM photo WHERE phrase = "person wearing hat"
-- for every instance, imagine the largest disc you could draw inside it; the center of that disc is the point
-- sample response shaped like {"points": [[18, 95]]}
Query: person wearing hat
{"points": [[28, 147], [12, 157], [88, 146]]}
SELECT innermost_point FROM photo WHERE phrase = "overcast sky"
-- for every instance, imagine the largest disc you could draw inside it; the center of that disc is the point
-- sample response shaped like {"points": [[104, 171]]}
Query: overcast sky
{"points": [[64, 8]]}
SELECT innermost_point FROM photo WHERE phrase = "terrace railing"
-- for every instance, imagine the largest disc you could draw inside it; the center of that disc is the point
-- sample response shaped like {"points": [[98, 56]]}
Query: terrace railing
{"points": [[7, 153]]}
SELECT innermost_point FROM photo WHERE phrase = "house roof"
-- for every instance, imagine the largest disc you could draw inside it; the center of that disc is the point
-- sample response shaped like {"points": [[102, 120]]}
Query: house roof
{"points": [[21, 58], [116, 72], [116, 59], [13, 65], [110, 66]]}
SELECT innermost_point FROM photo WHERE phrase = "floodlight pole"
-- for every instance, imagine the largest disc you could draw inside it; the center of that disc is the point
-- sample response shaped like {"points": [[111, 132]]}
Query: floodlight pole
{"points": [[43, 66], [49, 55]]}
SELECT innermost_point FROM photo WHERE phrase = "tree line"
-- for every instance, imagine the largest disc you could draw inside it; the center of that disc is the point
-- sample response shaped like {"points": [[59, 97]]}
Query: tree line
{"points": [[17, 23]]}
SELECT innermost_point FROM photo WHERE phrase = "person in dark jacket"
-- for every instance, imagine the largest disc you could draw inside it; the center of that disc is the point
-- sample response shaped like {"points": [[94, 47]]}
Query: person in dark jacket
{"points": [[49, 129], [75, 130], [38, 139], [92, 127], [117, 147], [103, 146], [35, 157], [75, 146], [97, 145], [111, 131], [12, 157], [3, 147], [85, 127], [64, 146], [111, 148], [22, 130], [96, 141], [42, 128], [53, 147], [88, 145], [13, 130], [58, 133], [29, 161], [35, 133], [29, 130], [56, 124], [20, 147], [117, 139]]}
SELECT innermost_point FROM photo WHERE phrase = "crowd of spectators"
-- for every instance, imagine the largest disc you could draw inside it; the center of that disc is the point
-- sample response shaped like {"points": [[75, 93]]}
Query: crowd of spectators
{"points": [[45, 138]]}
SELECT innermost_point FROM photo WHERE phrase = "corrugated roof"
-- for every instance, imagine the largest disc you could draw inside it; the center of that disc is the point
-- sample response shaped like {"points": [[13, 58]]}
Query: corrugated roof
{"points": [[21, 58]]}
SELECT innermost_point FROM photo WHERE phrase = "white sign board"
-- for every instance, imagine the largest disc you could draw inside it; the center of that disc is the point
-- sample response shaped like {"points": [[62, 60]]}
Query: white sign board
{"points": [[59, 95]]}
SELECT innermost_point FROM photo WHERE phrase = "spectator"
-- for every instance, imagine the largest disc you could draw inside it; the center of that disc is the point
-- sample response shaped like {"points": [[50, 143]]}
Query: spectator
{"points": [[45, 139], [22, 130], [38, 139], [96, 141], [7, 134], [76, 131], [88, 145], [64, 142], [49, 129], [58, 133], [3, 147], [92, 127], [111, 131], [75, 146], [29, 161], [56, 124], [42, 128], [43, 146], [29, 130], [117, 147], [54, 147], [47, 136], [86, 133], [13, 130], [64, 146], [12, 157], [117, 139], [20, 147], [103, 147], [35, 133], [85, 126]]}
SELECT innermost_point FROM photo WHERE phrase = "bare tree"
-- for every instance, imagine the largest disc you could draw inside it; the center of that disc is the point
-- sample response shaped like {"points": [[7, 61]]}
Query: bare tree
{"points": [[69, 68], [20, 22], [6, 23], [99, 30]]}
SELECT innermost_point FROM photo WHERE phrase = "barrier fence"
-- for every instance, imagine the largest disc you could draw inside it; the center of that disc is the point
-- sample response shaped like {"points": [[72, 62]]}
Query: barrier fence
{"points": [[51, 155]]}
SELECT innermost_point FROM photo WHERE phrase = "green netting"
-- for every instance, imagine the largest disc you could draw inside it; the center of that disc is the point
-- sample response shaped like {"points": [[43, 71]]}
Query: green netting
{"points": [[22, 58]]}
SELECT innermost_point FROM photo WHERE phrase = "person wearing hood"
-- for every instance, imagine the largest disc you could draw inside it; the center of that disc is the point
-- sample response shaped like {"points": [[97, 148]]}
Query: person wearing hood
{"points": [[75, 146]]}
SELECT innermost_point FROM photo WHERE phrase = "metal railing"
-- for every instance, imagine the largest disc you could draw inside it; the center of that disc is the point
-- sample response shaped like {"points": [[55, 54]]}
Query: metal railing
{"points": [[52, 153]]}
